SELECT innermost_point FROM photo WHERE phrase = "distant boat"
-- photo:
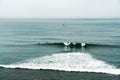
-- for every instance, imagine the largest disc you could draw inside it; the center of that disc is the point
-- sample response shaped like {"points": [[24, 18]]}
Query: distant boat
{"points": [[63, 24]]}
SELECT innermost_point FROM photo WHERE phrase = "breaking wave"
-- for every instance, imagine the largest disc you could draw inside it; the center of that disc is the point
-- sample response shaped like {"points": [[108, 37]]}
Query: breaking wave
{"points": [[71, 44], [75, 61], [77, 44]]}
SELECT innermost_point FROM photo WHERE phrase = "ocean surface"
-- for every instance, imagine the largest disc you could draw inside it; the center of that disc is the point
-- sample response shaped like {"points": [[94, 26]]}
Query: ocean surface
{"points": [[34, 49]]}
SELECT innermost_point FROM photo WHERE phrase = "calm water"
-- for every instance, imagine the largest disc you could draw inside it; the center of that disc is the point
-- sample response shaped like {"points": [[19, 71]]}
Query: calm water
{"points": [[28, 45]]}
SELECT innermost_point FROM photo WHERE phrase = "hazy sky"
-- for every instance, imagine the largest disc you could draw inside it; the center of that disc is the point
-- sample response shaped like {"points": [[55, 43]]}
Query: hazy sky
{"points": [[59, 8]]}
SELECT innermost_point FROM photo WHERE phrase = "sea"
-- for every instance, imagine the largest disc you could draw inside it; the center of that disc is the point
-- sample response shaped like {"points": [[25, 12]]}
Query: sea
{"points": [[36, 49]]}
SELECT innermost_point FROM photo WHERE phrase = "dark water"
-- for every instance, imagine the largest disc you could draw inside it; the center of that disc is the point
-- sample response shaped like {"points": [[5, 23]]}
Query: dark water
{"points": [[33, 49]]}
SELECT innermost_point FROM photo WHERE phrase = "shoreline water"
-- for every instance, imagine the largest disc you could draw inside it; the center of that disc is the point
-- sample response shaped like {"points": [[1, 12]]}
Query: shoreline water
{"points": [[18, 74]]}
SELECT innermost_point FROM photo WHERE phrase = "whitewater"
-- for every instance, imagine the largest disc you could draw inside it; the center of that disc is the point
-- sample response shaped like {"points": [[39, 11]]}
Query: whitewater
{"points": [[74, 61]]}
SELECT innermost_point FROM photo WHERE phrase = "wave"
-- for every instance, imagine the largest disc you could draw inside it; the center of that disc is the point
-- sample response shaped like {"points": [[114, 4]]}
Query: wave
{"points": [[78, 45], [71, 45], [75, 61]]}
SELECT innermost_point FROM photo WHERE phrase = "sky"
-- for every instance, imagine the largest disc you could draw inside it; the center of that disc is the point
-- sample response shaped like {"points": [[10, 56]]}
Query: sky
{"points": [[59, 8]]}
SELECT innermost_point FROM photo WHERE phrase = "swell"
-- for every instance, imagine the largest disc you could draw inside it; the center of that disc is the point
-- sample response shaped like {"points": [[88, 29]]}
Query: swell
{"points": [[61, 44], [73, 44]]}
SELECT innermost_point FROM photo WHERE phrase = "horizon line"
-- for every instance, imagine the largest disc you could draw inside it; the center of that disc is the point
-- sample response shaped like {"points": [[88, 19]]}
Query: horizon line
{"points": [[66, 18]]}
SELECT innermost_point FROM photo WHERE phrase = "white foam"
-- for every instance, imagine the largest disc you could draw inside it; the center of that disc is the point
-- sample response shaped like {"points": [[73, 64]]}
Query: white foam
{"points": [[83, 44], [74, 43], [81, 62], [66, 43]]}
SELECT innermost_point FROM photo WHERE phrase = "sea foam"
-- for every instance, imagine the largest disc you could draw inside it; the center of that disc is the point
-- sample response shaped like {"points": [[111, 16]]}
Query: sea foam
{"points": [[75, 61]]}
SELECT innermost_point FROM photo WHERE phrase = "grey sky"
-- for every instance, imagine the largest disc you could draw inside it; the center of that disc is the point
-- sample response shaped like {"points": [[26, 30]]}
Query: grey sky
{"points": [[59, 8]]}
